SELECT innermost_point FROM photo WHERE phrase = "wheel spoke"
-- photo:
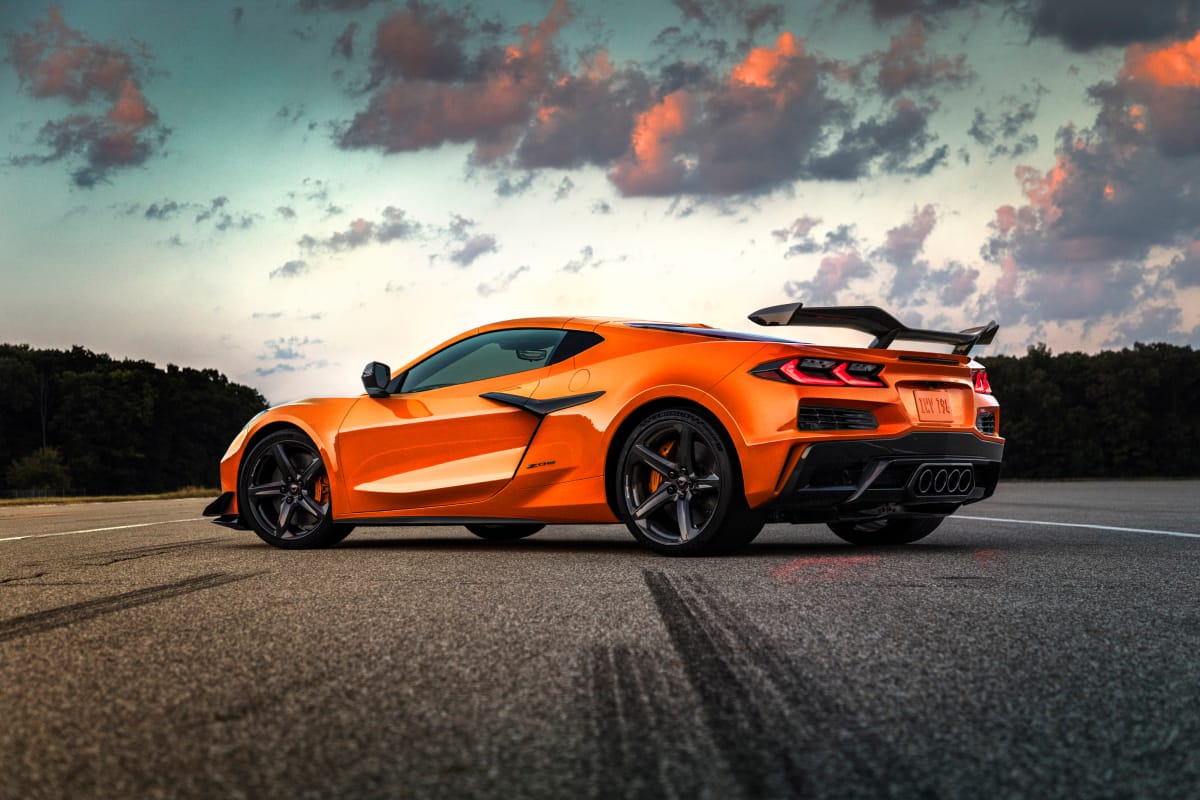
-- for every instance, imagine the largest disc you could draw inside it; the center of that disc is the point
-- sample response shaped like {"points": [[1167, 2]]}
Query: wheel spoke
{"points": [[272, 488], [312, 508], [311, 471], [684, 450], [707, 483], [683, 516], [653, 502], [284, 463], [285, 516], [655, 461]]}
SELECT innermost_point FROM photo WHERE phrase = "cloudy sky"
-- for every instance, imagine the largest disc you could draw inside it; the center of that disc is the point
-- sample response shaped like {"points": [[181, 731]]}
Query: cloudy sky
{"points": [[284, 190]]}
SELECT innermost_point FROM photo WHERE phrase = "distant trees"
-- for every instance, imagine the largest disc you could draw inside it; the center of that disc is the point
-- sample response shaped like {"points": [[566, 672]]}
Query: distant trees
{"points": [[1115, 414], [113, 427]]}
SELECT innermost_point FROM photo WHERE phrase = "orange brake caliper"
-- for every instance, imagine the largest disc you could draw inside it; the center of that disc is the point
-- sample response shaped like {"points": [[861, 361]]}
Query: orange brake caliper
{"points": [[655, 479]]}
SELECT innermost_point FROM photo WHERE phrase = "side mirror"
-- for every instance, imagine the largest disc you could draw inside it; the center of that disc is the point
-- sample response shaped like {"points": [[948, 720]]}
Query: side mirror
{"points": [[375, 378]]}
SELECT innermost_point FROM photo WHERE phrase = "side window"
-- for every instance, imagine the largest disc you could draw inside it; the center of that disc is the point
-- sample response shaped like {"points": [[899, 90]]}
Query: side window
{"points": [[487, 355]]}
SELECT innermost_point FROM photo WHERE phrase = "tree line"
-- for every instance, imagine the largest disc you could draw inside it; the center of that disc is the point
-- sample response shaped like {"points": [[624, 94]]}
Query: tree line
{"points": [[1116, 414], [74, 419], [84, 421]]}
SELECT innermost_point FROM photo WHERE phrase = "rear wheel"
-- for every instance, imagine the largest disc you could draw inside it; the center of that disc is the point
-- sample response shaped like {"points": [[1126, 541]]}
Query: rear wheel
{"points": [[896, 530], [504, 531], [678, 489], [283, 493]]}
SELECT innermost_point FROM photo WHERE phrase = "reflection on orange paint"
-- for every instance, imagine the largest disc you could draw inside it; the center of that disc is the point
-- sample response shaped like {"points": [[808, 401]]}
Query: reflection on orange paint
{"points": [[761, 62], [1174, 65]]}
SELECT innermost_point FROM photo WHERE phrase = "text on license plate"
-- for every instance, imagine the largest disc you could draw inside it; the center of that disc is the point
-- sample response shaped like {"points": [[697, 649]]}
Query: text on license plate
{"points": [[934, 406]]}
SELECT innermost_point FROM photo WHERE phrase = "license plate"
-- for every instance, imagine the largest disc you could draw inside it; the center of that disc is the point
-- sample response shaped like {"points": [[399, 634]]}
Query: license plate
{"points": [[934, 406]]}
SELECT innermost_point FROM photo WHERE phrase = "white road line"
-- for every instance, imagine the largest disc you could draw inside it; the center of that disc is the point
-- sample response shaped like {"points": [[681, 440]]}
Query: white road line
{"points": [[1080, 525], [99, 530]]}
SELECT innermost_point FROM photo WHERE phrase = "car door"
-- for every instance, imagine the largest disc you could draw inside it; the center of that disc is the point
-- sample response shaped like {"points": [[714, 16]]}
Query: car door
{"points": [[436, 442]]}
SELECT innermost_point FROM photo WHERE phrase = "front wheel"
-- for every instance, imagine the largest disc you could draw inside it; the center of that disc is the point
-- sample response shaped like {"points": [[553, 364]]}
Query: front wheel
{"points": [[895, 530], [678, 489], [283, 493], [504, 532]]}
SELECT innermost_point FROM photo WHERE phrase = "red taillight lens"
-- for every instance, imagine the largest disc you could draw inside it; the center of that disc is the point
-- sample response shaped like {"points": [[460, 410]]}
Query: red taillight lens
{"points": [[822, 372], [792, 370], [980, 379]]}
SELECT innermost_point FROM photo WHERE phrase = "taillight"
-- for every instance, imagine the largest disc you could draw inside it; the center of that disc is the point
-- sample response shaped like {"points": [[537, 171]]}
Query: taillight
{"points": [[980, 379], [821, 372]]}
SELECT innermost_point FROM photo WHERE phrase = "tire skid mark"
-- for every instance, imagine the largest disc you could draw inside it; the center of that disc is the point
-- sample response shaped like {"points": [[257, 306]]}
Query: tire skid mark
{"points": [[17, 578], [129, 554], [765, 716], [624, 718], [42, 621]]}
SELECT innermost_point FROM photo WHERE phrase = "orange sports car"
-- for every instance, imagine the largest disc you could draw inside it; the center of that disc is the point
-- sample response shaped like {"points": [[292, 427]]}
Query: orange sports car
{"points": [[694, 437]]}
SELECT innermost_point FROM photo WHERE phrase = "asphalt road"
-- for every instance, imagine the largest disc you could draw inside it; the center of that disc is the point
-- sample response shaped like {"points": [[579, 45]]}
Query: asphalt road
{"points": [[993, 659]]}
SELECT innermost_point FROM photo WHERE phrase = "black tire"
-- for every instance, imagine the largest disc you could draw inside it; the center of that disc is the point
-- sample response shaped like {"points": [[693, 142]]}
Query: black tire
{"points": [[504, 532], [283, 493], [895, 530], [678, 489]]}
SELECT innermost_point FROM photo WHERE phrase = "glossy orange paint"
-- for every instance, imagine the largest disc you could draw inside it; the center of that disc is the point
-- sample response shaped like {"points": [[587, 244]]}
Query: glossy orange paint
{"points": [[447, 452]]}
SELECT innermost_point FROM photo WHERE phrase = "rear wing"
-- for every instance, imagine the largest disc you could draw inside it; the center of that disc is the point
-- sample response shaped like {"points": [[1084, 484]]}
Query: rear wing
{"points": [[875, 321]]}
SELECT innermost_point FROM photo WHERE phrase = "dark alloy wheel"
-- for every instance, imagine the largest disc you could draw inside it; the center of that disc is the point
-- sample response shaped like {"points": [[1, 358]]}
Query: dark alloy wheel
{"points": [[283, 493], [678, 490], [896, 530], [504, 531]]}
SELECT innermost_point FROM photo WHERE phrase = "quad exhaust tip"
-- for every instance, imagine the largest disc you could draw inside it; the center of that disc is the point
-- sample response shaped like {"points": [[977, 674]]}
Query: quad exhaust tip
{"points": [[943, 480]]}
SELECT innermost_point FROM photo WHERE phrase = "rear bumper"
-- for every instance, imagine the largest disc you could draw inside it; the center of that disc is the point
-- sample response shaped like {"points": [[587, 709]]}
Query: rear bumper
{"points": [[223, 509], [916, 474]]}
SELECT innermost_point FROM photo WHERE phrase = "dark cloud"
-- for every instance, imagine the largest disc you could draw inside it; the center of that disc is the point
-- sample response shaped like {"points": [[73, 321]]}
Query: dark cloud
{"points": [[334, 5], [840, 238], [800, 228], [954, 284], [586, 118], [834, 274], [587, 258], [118, 130], [906, 66], [164, 210], [601, 207], [290, 269], [239, 222], [751, 16], [237, 13], [1087, 24], [216, 205], [1185, 268], [286, 212], [798, 236], [1003, 131], [175, 241], [291, 113], [564, 188], [905, 242], [474, 247], [394, 225], [343, 45], [500, 282], [1155, 323], [266, 315], [890, 9], [510, 188], [892, 143], [767, 121]]}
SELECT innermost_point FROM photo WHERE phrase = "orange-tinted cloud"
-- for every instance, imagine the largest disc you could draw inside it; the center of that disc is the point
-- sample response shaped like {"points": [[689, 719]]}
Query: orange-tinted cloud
{"points": [[761, 63], [1175, 64], [653, 166], [834, 274], [53, 60]]}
